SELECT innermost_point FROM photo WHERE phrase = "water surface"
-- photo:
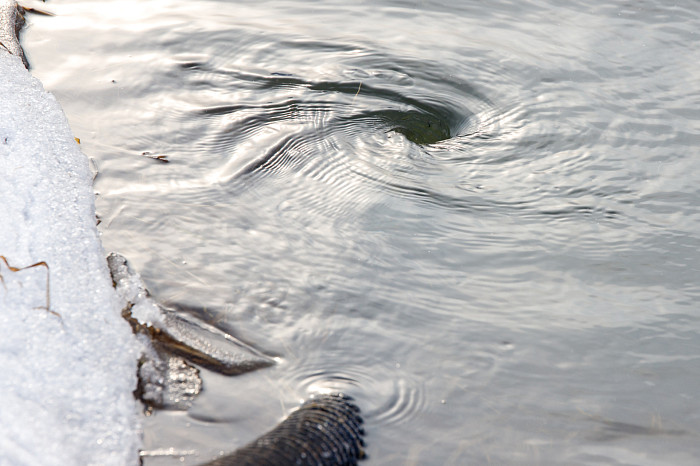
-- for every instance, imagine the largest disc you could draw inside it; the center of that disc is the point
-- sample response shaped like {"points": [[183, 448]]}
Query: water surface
{"points": [[480, 220]]}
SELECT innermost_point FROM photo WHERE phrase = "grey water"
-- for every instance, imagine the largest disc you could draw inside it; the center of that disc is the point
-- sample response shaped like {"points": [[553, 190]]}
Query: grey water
{"points": [[479, 219]]}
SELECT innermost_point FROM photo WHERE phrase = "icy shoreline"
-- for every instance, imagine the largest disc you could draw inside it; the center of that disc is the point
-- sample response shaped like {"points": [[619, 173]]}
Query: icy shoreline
{"points": [[69, 372]]}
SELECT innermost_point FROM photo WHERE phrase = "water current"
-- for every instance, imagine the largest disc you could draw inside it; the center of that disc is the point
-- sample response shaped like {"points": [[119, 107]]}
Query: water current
{"points": [[479, 219]]}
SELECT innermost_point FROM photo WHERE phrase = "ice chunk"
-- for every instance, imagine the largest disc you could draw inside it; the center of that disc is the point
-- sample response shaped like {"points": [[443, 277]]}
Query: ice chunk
{"points": [[166, 381], [179, 333]]}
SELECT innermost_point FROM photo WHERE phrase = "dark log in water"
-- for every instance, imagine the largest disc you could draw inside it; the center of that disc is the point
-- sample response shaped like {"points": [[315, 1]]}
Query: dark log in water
{"points": [[325, 431]]}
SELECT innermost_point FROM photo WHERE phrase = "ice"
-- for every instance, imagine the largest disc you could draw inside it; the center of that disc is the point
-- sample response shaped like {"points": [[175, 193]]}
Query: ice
{"points": [[131, 291], [68, 361], [175, 334]]}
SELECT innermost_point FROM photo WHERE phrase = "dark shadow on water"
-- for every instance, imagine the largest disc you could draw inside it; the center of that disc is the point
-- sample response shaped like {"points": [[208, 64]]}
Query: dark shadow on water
{"points": [[613, 430], [418, 127]]}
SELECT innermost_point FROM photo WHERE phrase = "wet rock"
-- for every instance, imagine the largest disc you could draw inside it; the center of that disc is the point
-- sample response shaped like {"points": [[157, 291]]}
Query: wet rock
{"points": [[172, 341]]}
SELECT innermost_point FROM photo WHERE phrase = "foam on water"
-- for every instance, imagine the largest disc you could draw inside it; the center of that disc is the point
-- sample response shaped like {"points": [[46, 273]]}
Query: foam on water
{"points": [[67, 358]]}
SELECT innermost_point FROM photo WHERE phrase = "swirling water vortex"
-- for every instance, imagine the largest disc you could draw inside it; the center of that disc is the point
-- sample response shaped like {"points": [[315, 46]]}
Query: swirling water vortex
{"points": [[366, 122], [455, 176]]}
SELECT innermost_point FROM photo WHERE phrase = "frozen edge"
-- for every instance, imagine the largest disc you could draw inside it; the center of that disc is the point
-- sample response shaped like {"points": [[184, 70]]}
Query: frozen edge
{"points": [[68, 372]]}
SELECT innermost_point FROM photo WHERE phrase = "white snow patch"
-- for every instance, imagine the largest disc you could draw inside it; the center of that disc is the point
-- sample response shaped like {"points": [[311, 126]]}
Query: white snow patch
{"points": [[66, 381], [132, 291]]}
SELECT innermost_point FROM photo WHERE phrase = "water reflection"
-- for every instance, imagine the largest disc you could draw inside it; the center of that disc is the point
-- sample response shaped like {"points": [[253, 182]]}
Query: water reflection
{"points": [[478, 220]]}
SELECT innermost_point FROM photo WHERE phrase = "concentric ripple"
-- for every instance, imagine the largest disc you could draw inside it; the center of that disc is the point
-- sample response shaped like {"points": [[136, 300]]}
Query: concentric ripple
{"points": [[368, 122], [393, 399], [503, 204]]}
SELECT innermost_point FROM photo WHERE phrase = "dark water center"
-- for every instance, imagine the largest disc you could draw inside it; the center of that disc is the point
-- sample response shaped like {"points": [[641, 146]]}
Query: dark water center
{"points": [[480, 220]]}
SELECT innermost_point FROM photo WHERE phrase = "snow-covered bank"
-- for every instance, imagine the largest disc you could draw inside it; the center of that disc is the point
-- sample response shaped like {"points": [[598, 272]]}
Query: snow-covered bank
{"points": [[67, 373]]}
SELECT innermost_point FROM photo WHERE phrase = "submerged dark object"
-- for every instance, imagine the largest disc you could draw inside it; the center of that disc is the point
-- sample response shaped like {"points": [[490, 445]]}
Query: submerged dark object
{"points": [[172, 341], [325, 431], [419, 127]]}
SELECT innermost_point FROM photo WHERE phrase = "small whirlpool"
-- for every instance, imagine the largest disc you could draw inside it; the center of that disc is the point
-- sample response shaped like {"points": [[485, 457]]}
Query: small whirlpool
{"points": [[327, 129]]}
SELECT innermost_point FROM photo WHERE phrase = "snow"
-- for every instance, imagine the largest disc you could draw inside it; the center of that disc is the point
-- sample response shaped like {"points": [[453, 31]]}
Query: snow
{"points": [[132, 292], [67, 373]]}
